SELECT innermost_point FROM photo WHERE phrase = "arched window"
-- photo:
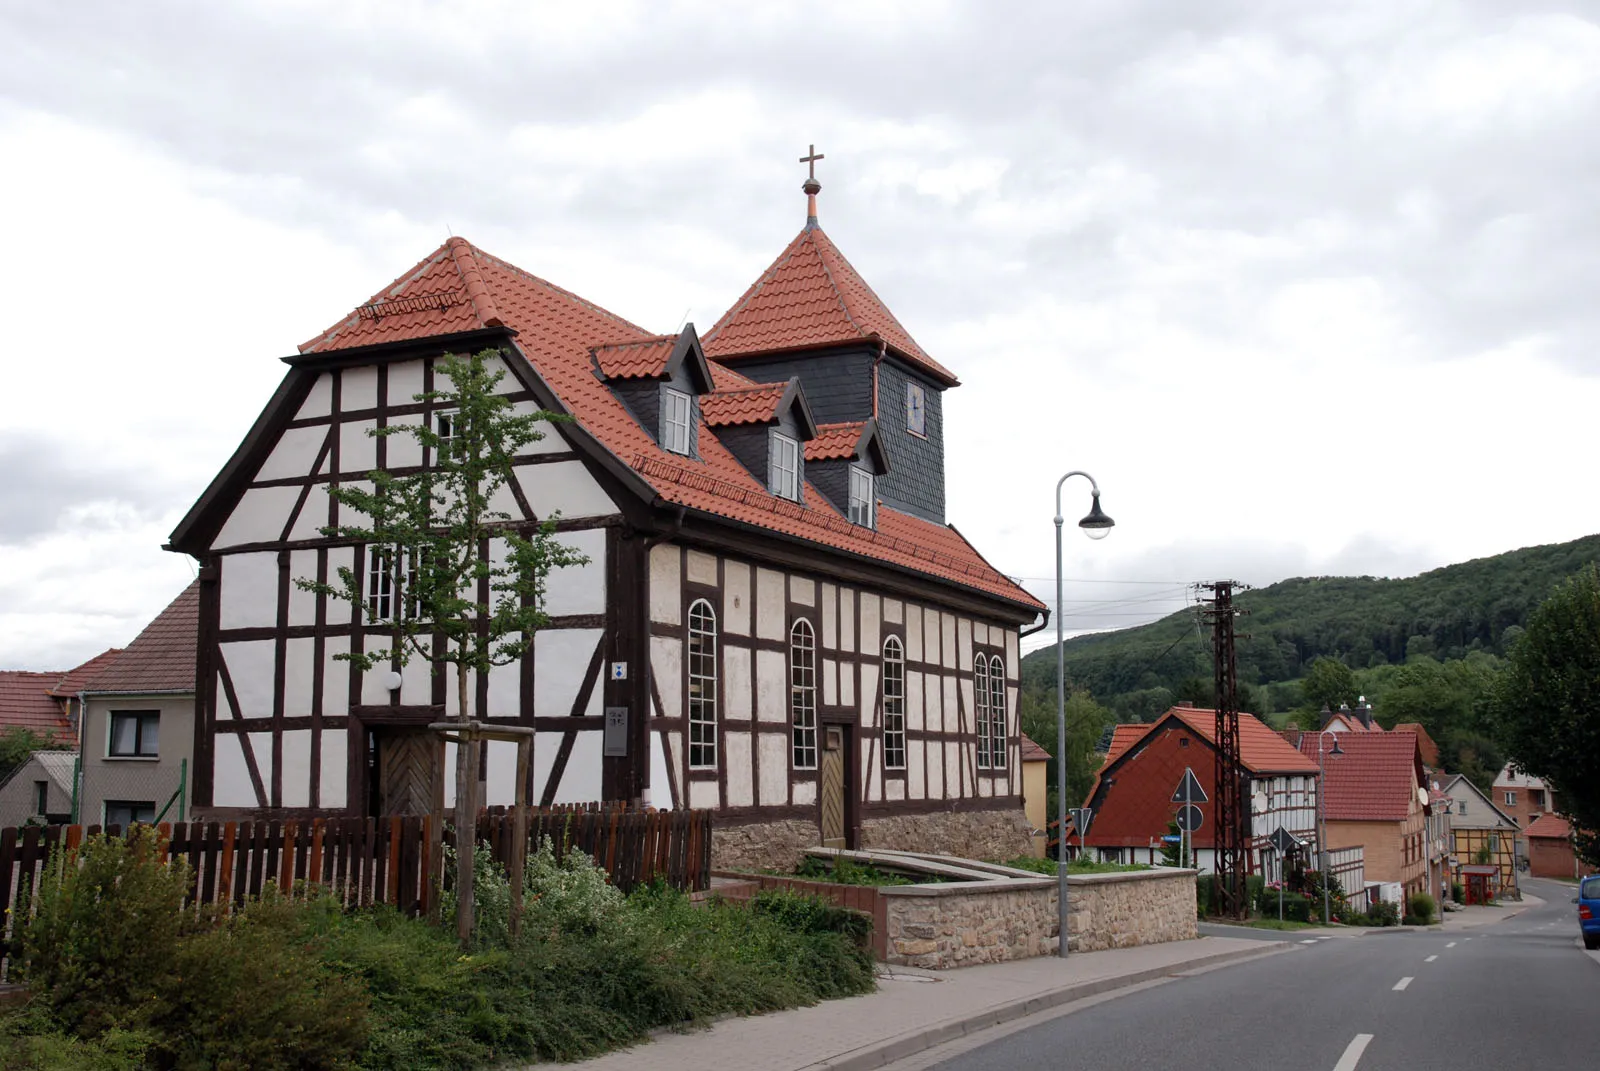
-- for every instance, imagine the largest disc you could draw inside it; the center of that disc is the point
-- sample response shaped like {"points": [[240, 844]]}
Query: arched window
{"points": [[980, 702], [702, 670], [894, 704], [999, 738], [803, 694]]}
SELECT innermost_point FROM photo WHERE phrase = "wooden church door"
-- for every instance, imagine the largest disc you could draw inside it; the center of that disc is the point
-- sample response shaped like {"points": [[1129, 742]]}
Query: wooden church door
{"points": [[404, 761], [831, 781]]}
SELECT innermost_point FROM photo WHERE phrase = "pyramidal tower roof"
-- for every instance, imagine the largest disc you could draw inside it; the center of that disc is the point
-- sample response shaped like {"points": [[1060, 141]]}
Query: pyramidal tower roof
{"points": [[810, 297]]}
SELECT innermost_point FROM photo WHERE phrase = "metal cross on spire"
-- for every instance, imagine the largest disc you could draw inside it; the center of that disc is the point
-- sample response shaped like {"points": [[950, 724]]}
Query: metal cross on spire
{"points": [[811, 186], [811, 162]]}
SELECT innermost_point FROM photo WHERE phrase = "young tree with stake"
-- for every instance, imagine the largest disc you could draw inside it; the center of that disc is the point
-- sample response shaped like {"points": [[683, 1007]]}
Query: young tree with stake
{"points": [[435, 534]]}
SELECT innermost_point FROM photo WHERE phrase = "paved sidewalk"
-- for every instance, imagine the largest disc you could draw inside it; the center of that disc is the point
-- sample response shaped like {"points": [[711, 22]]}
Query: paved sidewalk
{"points": [[1476, 915], [916, 1010]]}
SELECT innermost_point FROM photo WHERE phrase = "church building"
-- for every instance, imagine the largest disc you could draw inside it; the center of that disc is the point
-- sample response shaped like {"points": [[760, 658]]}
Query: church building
{"points": [[776, 620]]}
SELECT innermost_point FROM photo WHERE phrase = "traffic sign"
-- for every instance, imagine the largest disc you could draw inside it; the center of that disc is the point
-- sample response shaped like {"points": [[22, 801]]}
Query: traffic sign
{"points": [[1285, 841], [1189, 790], [1081, 817], [1190, 818]]}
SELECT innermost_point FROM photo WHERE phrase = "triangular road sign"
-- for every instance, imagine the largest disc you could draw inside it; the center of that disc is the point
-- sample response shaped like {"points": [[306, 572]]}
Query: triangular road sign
{"points": [[1189, 790]]}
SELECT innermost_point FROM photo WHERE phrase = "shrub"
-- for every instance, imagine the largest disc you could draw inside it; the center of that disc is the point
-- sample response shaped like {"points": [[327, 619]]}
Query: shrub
{"points": [[101, 951], [1423, 907], [1383, 913], [1458, 893], [31, 1041]]}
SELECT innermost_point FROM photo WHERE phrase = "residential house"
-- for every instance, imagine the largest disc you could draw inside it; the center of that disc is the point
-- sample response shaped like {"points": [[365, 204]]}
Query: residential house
{"points": [[1036, 792], [1376, 795], [1481, 834], [1550, 853], [1524, 798], [39, 791], [1348, 719], [138, 727], [776, 620], [1136, 794], [46, 703]]}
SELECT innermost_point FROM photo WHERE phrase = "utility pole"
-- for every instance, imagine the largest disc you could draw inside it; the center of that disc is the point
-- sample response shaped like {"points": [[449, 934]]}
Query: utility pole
{"points": [[1232, 817]]}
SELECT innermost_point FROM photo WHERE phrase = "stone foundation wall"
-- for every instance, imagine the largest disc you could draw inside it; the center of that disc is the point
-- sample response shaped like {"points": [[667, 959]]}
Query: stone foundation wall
{"points": [[997, 835], [762, 845], [1142, 907]]}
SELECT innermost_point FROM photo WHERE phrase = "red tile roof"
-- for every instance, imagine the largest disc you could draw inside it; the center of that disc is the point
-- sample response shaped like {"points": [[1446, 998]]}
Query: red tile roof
{"points": [[1549, 825], [1430, 750], [25, 703], [1375, 780], [1032, 752], [1261, 750], [71, 682], [162, 657], [835, 441], [556, 330], [631, 360], [742, 405], [809, 297]]}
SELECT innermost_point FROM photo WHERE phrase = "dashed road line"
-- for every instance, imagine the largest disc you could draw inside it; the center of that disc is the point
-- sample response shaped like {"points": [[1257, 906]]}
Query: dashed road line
{"points": [[1430, 959], [1352, 1053], [1452, 944], [1402, 983], [1307, 941]]}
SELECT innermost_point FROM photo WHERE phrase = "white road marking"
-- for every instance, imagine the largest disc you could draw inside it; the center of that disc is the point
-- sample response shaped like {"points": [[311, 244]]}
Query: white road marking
{"points": [[1401, 984], [1307, 941], [1464, 939], [1430, 959], [1452, 944], [1352, 1053]]}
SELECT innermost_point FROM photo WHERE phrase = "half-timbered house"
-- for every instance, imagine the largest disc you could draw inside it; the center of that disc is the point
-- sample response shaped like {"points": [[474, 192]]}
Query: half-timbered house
{"points": [[775, 621]]}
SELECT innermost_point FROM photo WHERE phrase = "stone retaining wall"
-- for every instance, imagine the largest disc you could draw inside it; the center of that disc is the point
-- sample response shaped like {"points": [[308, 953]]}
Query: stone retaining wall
{"points": [[1001, 833], [1141, 907]]}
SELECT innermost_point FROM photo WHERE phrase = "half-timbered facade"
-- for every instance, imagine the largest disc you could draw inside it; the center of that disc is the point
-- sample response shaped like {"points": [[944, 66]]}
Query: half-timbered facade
{"points": [[769, 624]]}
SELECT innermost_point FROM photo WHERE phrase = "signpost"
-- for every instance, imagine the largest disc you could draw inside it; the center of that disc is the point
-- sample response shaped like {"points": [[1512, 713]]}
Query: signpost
{"points": [[1190, 818], [1284, 844]]}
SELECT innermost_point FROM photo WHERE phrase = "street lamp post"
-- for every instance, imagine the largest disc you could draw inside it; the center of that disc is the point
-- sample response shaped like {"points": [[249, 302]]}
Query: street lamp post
{"points": [[1095, 525], [1322, 810]]}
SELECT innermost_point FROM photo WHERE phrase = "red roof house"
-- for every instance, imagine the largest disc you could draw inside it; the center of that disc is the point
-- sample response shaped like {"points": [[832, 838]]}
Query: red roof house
{"points": [[1550, 853], [1375, 793], [46, 703]]}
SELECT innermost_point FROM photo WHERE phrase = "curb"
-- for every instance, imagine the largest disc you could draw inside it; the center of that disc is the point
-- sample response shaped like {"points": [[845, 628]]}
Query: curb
{"points": [[884, 1053]]}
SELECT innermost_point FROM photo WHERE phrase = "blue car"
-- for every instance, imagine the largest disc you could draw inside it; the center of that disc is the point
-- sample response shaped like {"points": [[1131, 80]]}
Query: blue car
{"points": [[1588, 902]]}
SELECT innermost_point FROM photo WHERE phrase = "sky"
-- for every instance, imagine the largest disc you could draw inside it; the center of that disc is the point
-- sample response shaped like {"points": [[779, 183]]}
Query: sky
{"points": [[1308, 288]]}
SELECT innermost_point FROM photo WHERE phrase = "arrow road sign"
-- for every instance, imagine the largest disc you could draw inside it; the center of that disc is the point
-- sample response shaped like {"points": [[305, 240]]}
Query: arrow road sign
{"points": [[1189, 790], [1285, 841], [1190, 818]]}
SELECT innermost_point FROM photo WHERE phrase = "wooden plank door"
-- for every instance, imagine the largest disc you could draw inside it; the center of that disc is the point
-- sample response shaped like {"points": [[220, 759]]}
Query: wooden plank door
{"points": [[406, 769], [830, 791]]}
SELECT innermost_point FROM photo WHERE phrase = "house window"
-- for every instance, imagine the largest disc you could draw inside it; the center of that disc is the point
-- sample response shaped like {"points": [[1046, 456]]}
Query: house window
{"points": [[916, 409], [997, 713], [894, 704], [41, 797], [1461, 807], [861, 497], [785, 474], [1536, 798], [677, 412], [1511, 799], [980, 697], [380, 584], [702, 686], [135, 734], [444, 426], [803, 694], [126, 812], [417, 562]]}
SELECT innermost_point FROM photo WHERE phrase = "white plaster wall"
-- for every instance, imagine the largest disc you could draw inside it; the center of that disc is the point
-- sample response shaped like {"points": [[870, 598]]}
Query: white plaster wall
{"points": [[847, 622], [335, 678], [894, 790], [666, 663], [659, 794], [805, 793], [736, 687], [830, 617], [319, 402], [701, 568], [230, 776], [335, 766], [563, 487], [931, 637], [508, 383], [358, 388], [771, 611], [947, 640], [952, 772], [736, 599], [579, 589], [545, 746], [803, 590], [501, 774], [830, 682], [249, 597], [258, 518], [313, 515], [250, 665], [872, 762], [349, 515], [869, 695], [405, 382], [774, 768], [302, 604], [666, 599], [913, 633], [916, 755], [772, 686], [297, 768], [294, 454], [505, 691], [847, 685], [893, 611], [871, 607], [561, 658], [358, 451], [964, 644], [299, 668], [374, 684], [741, 792], [416, 681], [403, 450], [551, 441], [703, 794], [915, 719]]}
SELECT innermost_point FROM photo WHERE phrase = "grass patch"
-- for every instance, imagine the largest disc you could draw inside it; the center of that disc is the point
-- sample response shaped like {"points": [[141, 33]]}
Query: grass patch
{"points": [[841, 871], [1075, 866]]}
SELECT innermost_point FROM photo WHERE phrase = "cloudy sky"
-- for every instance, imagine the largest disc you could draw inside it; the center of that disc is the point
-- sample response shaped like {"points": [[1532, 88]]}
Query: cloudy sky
{"points": [[1309, 291]]}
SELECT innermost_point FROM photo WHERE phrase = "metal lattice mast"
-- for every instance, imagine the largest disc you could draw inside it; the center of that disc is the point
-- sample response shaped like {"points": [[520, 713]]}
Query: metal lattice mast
{"points": [[1231, 817]]}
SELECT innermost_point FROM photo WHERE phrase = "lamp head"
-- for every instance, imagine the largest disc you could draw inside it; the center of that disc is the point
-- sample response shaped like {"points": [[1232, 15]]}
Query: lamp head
{"points": [[1337, 750], [1096, 525]]}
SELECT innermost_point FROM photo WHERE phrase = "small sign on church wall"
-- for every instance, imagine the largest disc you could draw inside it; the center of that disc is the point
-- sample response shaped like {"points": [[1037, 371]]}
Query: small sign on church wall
{"points": [[619, 671], [616, 741]]}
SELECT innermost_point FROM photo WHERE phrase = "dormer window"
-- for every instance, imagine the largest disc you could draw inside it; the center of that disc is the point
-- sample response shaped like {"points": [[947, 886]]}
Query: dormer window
{"points": [[861, 497], [785, 467], [677, 411]]}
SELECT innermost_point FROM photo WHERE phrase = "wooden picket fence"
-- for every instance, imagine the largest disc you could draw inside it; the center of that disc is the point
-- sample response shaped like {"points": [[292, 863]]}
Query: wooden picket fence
{"points": [[365, 861]]}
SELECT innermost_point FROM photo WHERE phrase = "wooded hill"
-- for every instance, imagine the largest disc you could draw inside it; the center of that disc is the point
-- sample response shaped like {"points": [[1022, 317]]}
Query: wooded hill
{"points": [[1364, 622]]}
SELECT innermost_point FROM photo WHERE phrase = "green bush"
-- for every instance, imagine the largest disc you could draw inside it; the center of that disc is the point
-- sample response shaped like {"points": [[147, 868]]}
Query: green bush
{"points": [[30, 1040], [1458, 893], [848, 872], [1423, 908], [101, 952], [1383, 913]]}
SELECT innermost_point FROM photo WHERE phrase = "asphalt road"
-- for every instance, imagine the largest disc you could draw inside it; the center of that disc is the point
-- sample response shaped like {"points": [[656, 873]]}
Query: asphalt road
{"points": [[1521, 992]]}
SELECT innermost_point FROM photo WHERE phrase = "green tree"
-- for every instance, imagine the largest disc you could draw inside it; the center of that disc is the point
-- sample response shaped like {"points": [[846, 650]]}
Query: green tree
{"points": [[1546, 710], [1087, 722], [17, 744], [1328, 682], [466, 581]]}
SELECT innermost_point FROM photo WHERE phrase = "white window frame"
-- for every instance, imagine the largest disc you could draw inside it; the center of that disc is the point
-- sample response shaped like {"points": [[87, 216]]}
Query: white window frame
{"points": [[379, 596], [980, 697], [784, 479], [1511, 799], [700, 669], [803, 694], [863, 497], [894, 704], [140, 718], [133, 806], [677, 421], [444, 426], [999, 739]]}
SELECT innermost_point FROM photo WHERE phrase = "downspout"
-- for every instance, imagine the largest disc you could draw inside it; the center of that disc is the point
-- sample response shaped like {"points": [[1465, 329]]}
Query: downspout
{"points": [[77, 773], [648, 669]]}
